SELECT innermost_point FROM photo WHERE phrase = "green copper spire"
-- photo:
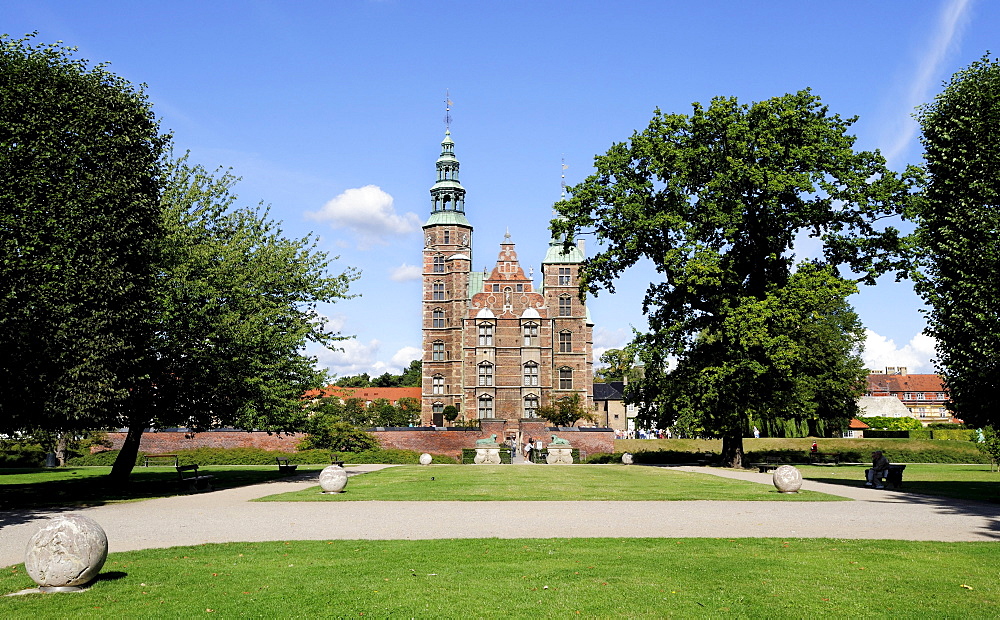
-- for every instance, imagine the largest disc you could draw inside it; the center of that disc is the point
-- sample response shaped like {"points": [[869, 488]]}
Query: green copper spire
{"points": [[447, 194]]}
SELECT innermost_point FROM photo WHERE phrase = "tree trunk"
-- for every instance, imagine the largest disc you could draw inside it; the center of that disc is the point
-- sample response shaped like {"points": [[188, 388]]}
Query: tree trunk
{"points": [[732, 450], [813, 427], [61, 449], [126, 456]]}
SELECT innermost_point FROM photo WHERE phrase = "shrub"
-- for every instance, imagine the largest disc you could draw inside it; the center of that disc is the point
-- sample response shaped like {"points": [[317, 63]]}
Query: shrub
{"points": [[257, 456], [20, 454], [338, 436]]}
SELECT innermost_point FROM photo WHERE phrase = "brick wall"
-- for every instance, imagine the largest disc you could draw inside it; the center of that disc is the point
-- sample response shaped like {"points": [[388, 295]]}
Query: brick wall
{"points": [[168, 442], [446, 442]]}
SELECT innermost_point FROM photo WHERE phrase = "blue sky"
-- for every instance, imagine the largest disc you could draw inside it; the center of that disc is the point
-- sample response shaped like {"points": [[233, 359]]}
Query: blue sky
{"points": [[332, 113]]}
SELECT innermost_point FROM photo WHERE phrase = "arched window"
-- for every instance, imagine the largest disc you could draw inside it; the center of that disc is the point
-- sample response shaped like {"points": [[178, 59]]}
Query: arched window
{"points": [[531, 374], [485, 406], [486, 374], [438, 384], [530, 406], [530, 334], [438, 318], [437, 351], [566, 342], [565, 378], [565, 305]]}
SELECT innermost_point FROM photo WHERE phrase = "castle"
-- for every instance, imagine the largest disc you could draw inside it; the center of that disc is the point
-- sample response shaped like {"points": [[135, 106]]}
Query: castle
{"points": [[495, 346]]}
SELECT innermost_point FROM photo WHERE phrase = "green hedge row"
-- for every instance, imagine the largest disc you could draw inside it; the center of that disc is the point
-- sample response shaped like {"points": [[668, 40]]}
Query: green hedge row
{"points": [[893, 453], [257, 456], [924, 433]]}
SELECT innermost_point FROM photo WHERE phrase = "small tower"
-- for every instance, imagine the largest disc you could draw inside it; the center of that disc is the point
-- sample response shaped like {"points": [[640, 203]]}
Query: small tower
{"points": [[447, 261]]}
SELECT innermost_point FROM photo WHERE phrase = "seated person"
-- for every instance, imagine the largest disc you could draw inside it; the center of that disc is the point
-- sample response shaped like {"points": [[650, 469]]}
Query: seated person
{"points": [[879, 470]]}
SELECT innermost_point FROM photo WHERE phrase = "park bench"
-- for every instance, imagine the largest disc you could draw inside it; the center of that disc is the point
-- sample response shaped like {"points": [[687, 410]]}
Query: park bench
{"points": [[765, 467], [824, 459], [335, 462], [159, 457], [193, 480], [893, 476], [283, 465]]}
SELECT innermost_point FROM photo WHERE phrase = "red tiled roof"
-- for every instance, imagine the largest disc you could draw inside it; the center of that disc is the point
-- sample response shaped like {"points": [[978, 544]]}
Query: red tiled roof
{"points": [[857, 425], [366, 394], [905, 383]]}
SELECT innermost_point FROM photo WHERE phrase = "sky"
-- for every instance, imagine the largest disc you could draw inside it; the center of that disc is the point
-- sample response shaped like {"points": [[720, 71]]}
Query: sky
{"points": [[332, 113]]}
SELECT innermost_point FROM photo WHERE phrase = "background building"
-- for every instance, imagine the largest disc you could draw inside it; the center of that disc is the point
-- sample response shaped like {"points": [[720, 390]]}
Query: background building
{"points": [[925, 396]]}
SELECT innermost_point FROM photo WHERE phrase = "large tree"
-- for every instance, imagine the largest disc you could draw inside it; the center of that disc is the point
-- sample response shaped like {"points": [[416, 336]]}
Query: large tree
{"points": [[959, 233], [79, 222], [236, 303], [716, 200]]}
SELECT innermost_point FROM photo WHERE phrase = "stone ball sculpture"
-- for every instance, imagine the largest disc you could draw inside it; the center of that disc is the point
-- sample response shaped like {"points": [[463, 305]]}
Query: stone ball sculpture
{"points": [[333, 479], [67, 553], [425, 459], [627, 458], [787, 479]]}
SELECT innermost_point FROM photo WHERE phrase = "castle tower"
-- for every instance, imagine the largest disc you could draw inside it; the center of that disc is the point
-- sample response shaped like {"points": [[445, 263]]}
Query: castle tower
{"points": [[447, 261], [571, 327]]}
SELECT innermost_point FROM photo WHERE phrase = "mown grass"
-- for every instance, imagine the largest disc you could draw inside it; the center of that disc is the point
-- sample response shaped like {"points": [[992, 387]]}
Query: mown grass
{"points": [[89, 486], [757, 578], [967, 482], [544, 483]]}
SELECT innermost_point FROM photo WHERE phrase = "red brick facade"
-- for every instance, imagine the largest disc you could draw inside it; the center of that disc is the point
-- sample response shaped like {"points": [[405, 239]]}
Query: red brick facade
{"points": [[496, 346]]}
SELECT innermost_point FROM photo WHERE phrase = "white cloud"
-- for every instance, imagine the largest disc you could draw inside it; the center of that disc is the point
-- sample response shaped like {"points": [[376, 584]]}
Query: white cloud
{"points": [[405, 273], [354, 357], [953, 17], [605, 339], [369, 214], [404, 356], [916, 355]]}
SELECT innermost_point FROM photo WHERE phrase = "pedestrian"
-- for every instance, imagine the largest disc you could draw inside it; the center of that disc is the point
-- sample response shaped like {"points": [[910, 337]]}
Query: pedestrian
{"points": [[528, 445], [879, 470], [756, 433]]}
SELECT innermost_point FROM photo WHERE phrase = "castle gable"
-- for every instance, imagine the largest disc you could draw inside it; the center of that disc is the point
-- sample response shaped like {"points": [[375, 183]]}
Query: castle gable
{"points": [[507, 291]]}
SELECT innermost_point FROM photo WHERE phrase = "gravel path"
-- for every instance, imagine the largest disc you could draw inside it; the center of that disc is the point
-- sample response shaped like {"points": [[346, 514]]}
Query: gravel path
{"points": [[227, 515]]}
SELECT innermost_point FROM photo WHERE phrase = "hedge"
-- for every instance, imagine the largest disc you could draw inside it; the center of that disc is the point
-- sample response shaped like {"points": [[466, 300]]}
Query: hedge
{"points": [[258, 456]]}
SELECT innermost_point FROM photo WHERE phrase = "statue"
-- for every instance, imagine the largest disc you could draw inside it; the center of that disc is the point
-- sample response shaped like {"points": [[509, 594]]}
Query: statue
{"points": [[486, 441], [558, 441]]}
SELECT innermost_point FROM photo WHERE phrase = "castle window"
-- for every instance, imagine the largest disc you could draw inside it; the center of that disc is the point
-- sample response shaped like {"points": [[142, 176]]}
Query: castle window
{"points": [[437, 408], [438, 383], [530, 406], [438, 291], [565, 342], [530, 334], [565, 378], [438, 264], [485, 407], [496, 288], [447, 236], [564, 273], [437, 351], [486, 334], [438, 318], [486, 374], [565, 305], [531, 374]]}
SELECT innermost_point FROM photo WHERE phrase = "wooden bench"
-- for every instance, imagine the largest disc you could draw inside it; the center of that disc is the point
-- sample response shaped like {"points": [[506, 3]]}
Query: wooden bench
{"points": [[194, 481], [765, 467], [283, 465], [147, 458], [337, 463]]}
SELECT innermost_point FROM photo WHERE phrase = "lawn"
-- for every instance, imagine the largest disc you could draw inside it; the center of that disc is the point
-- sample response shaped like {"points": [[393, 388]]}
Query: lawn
{"points": [[969, 482], [88, 486], [544, 483], [792, 578]]}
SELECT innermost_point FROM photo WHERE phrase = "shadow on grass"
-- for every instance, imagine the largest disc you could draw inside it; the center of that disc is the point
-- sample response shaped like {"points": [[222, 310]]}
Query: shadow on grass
{"points": [[21, 503]]}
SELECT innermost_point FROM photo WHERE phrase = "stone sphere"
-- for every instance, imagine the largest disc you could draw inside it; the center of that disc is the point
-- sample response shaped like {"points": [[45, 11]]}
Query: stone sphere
{"points": [[787, 479], [67, 552], [333, 479], [425, 459], [627, 458]]}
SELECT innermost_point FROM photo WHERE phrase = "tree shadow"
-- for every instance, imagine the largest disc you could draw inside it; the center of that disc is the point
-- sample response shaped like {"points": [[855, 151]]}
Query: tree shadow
{"points": [[960, 498]]}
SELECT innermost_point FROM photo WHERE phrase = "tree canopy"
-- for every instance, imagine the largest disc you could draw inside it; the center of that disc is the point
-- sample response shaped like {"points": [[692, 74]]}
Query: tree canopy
{"points": [[716, 201], [236, 302], [959, 235], [79, 219]]}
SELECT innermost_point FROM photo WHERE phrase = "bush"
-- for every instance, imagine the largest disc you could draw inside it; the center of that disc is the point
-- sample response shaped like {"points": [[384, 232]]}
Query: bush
{"points": [[19, 454], [257, 456], [338, 436], [953, 434]]}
